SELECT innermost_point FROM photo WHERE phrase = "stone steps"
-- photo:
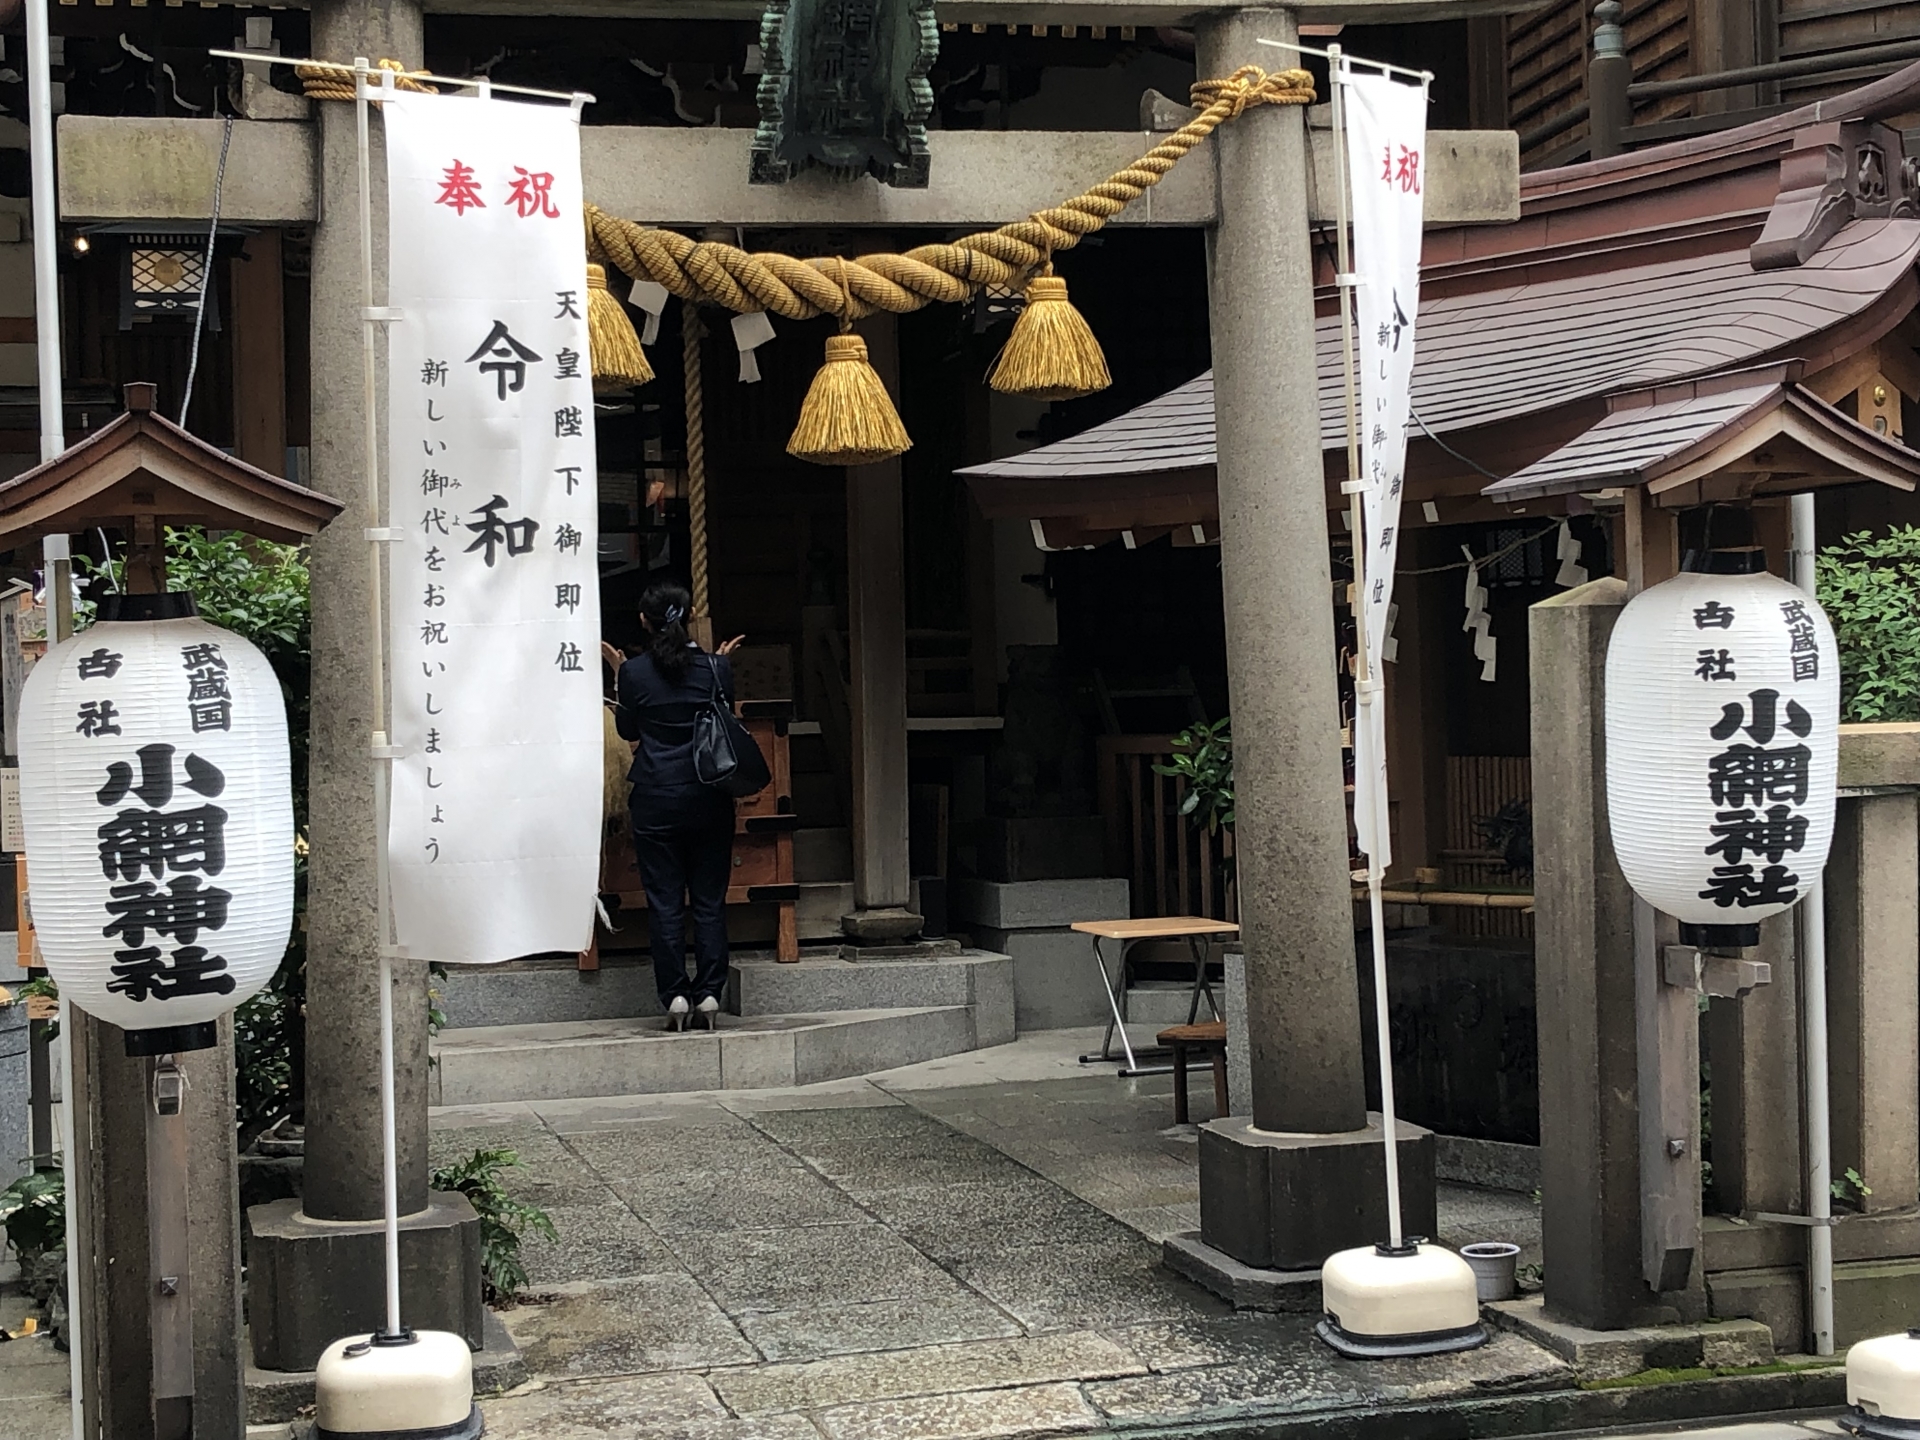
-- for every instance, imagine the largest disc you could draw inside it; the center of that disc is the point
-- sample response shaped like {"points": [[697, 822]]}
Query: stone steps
{"points": [[857, 980], [575, 1060]]}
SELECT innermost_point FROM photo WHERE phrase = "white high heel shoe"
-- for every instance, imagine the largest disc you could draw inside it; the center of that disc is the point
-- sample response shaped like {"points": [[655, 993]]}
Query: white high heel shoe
{"points": [[709, 1009], [677, 1013]]}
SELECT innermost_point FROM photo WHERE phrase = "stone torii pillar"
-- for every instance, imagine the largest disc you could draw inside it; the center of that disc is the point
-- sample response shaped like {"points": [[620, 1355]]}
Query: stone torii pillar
{"points": [[316, 1265], [1304, 1175]]}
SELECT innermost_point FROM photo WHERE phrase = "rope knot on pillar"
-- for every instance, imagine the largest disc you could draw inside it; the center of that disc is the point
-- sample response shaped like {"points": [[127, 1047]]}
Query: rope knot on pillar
{"points": [[330, 80], [1250, 86]]}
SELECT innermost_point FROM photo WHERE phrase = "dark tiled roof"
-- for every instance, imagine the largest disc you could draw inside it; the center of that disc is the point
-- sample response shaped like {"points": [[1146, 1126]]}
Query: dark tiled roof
{"points": [[1525, 349], [1780, 436]]}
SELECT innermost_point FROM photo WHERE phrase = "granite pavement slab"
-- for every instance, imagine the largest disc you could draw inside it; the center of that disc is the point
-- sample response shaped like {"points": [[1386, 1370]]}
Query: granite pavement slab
{"points": [[708, 1203], [929, 1370], [600, 1241], [730, 1147], [1062, 1287], [627, 1327], [760, 1270], [817, 1331], [976, 1415], [661, 1407]]}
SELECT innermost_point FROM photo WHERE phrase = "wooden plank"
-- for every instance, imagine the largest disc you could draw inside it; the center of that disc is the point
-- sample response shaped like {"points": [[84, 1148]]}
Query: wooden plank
{"points": [[1182, 893], [260, 354], [1159, 817], [877, 642], [1137, 889], [1157, 927]]}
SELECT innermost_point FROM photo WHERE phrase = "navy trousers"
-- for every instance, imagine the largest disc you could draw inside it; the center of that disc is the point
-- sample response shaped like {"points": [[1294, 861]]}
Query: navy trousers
{"points": [[686, 870]]}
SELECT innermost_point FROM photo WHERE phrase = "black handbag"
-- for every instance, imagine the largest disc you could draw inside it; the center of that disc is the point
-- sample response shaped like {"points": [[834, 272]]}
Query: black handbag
{"points": [[725, 756]]}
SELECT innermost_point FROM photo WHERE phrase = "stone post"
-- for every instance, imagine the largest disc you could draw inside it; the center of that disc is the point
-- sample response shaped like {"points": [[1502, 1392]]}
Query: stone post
{"points": [[343, 1150], [1290, 831], [315, 1274], [1873, 1006], [1753, 1044], [1266, 1196], [877, 694], [1585, 979]]}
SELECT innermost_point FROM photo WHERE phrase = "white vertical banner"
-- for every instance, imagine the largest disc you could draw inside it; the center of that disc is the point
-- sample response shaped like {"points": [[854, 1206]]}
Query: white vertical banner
{"points": [[1386, 128], [494, 590]]}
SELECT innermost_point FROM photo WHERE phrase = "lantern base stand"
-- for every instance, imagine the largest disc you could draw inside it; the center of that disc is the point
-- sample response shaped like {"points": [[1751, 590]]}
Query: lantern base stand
{"points": [[1719, 937], [1883, 1387], [1385, 1301], [416, 1385], [172, 1039]]}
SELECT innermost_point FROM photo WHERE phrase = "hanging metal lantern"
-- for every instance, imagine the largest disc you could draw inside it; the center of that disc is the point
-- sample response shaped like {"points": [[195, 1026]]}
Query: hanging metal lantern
{"points": [[156, 798], [1723, 715]]}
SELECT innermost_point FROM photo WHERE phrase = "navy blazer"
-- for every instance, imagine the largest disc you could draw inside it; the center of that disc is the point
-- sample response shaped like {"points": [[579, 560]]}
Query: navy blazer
{"points": [[667, 794]]}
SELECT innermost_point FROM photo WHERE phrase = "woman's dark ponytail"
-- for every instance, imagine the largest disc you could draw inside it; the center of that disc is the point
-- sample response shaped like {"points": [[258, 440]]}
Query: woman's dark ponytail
{"points": [[667, 605]]}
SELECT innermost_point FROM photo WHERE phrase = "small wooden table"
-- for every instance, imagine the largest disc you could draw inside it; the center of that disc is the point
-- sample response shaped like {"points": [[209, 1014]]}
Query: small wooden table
{"points": [[1209, 1040], [1194, 929]]}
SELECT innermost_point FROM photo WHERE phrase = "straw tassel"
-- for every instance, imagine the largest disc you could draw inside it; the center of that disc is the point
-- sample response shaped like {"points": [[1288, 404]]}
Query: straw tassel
{"points": [[618, 361], [1051, 354], [847, 417]]}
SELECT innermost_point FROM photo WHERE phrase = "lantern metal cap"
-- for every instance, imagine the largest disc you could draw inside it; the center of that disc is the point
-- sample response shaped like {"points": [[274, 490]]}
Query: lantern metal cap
{"points": [[1744, 560], [172, 1039], [173, 605], [1719, 937]]}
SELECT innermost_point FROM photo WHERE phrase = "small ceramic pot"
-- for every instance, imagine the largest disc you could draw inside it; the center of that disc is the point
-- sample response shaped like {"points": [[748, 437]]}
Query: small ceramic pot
{"points": [[1493, 1263]]}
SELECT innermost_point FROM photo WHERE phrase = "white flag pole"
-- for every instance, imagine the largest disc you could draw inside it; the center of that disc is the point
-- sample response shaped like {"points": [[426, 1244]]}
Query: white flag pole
{"points": [[1366, 685], [371, 318]]}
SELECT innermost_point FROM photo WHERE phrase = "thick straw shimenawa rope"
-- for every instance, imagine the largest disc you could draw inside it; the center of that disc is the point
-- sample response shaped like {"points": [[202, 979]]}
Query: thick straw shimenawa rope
{"points": [[847, 417], [705, 271], [329, 80], [719, 274]]}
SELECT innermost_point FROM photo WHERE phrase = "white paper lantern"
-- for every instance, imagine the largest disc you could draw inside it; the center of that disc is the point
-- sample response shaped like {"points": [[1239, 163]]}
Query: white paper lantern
{"points": [[1723, 714], [157, 804]]}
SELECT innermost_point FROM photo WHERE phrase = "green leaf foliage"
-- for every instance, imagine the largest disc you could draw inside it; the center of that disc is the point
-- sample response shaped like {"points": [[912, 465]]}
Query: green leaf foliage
{"points": [[504, 1221], [1870, 588], [1203, 757], [33, 1212]]}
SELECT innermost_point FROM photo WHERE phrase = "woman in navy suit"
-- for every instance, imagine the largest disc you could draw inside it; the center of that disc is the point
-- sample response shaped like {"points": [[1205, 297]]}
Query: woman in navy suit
{"points": [[682, 829]]}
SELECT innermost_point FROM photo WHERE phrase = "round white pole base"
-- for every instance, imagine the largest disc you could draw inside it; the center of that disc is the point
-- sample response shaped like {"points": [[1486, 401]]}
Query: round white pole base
{"points": [[1383, 1303], [1883, 1387], [418, 1386]]}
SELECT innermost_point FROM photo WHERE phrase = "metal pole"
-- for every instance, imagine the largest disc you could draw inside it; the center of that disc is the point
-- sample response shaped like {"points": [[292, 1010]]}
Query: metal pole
{"points": [[1813, 1032], [170, 1300], [1366, 689], [57, 573], [382, 753], [46, 205]]}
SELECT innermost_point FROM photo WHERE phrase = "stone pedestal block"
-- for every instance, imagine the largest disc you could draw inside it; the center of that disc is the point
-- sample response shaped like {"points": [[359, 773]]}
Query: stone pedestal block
{"points": [[1067, 847], [311, 1281], [16, 1142], [1287, 1202], [1873, 1006], [1054, 983]]}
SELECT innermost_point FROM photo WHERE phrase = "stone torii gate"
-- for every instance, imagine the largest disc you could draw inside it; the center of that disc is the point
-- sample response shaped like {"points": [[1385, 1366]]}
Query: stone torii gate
{"points": [[1256, 196]]}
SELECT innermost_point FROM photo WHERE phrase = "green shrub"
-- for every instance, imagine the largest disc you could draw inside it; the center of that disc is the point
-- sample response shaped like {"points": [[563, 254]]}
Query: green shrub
{"points": [[33, 1212], [1870, 589], [504, 1221], [1203, 757]]}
